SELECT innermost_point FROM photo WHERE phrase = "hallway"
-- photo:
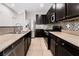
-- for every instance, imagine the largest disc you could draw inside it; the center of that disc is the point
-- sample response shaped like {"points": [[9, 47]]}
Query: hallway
{"points": [[38, 48]]}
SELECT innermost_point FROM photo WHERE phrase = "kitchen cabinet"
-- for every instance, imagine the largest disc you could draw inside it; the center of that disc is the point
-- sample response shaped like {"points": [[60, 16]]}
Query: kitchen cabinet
{"points": [[60, 11], [53, 46], [19, 50], [39, 33], [19, 47], [37, 19], [68, 49], [57, 12], [47, 39], [60, 47], [27, 42], [25, 45], [51, 14], [41, 19], [16, 49], [12, 53], [72, 10]]}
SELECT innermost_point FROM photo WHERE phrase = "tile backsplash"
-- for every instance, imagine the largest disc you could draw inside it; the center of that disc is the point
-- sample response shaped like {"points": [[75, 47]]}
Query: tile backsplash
{"points": [[69, 25], [9, 29], [72, 26], [43, 26]]}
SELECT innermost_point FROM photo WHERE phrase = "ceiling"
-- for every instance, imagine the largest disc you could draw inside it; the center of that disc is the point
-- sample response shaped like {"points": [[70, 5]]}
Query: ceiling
{"points": [[30, 7]]}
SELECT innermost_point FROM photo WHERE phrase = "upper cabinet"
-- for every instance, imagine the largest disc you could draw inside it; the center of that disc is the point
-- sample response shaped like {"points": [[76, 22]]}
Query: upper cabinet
{"points": [[56, 12], [72, 9], [60, 11], [51, 14], [41, 19]]}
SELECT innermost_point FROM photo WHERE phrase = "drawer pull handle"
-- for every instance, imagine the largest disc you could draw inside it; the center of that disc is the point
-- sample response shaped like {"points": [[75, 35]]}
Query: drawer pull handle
{"points": [[63, 43], [56, 43], [12, 46]]}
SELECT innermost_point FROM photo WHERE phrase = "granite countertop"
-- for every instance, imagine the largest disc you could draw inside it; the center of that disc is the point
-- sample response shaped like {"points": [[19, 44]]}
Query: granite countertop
{"points": [[8, 39], [73, 39]]}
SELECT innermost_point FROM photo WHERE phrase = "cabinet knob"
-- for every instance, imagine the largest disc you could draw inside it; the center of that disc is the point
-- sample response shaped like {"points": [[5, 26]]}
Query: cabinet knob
{"points": [[63, 43], [56, 43], [12, 46]]}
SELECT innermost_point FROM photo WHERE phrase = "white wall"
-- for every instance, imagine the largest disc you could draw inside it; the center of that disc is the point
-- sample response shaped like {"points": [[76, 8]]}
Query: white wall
{"points": [[9, 18], [6, 16], [21, 20]]}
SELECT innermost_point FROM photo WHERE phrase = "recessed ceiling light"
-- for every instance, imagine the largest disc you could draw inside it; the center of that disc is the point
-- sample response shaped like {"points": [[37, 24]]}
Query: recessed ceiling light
{"points": [[19, 12], [59, 6], [41, 5], [12, 4]]}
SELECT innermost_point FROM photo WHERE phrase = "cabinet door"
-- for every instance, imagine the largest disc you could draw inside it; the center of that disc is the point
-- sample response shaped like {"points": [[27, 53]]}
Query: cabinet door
{"points": [[66, 49], [72, 9], [65, 52], [11, 53], [44, 19], [41, 19], [51, 12], [52, 46], [29, 39], [25, 45], [37, 19], [58, 50], [20, 49], [60, 11]]}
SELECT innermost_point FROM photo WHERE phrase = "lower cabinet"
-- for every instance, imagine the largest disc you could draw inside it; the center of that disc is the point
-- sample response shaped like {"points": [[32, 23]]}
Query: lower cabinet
{"points": [[39, 33], [13, 50], [25, 45], [12, 54], [53, 47], [60, 47], [18, 48], [65, 52], [27, 42]]}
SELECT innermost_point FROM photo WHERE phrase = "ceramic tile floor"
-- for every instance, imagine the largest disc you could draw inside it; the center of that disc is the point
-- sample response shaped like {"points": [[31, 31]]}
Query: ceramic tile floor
{"points": [[38, 48]]}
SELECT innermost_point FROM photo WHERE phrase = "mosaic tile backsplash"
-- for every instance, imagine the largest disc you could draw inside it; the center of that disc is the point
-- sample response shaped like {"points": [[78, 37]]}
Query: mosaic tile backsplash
{"points": [[69, 25]]}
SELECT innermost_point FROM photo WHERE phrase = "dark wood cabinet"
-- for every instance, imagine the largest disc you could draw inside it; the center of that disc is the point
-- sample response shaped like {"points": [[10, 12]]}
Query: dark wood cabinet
{"points": [[51, 14], [72, 10], [53, 46], [37, 19], [68, 49], [39, 33], [27, 42], [60, 47], [60, 11], [41, 19], [19, 47], [63, 11]]}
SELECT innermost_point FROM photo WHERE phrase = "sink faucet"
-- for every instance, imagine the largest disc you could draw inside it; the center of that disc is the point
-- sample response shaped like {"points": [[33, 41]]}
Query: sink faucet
{"points": [[18, 28]]}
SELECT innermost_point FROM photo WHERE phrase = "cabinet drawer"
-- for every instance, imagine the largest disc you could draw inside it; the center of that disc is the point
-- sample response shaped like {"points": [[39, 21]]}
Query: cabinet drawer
{"points": [[73, 50]]}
